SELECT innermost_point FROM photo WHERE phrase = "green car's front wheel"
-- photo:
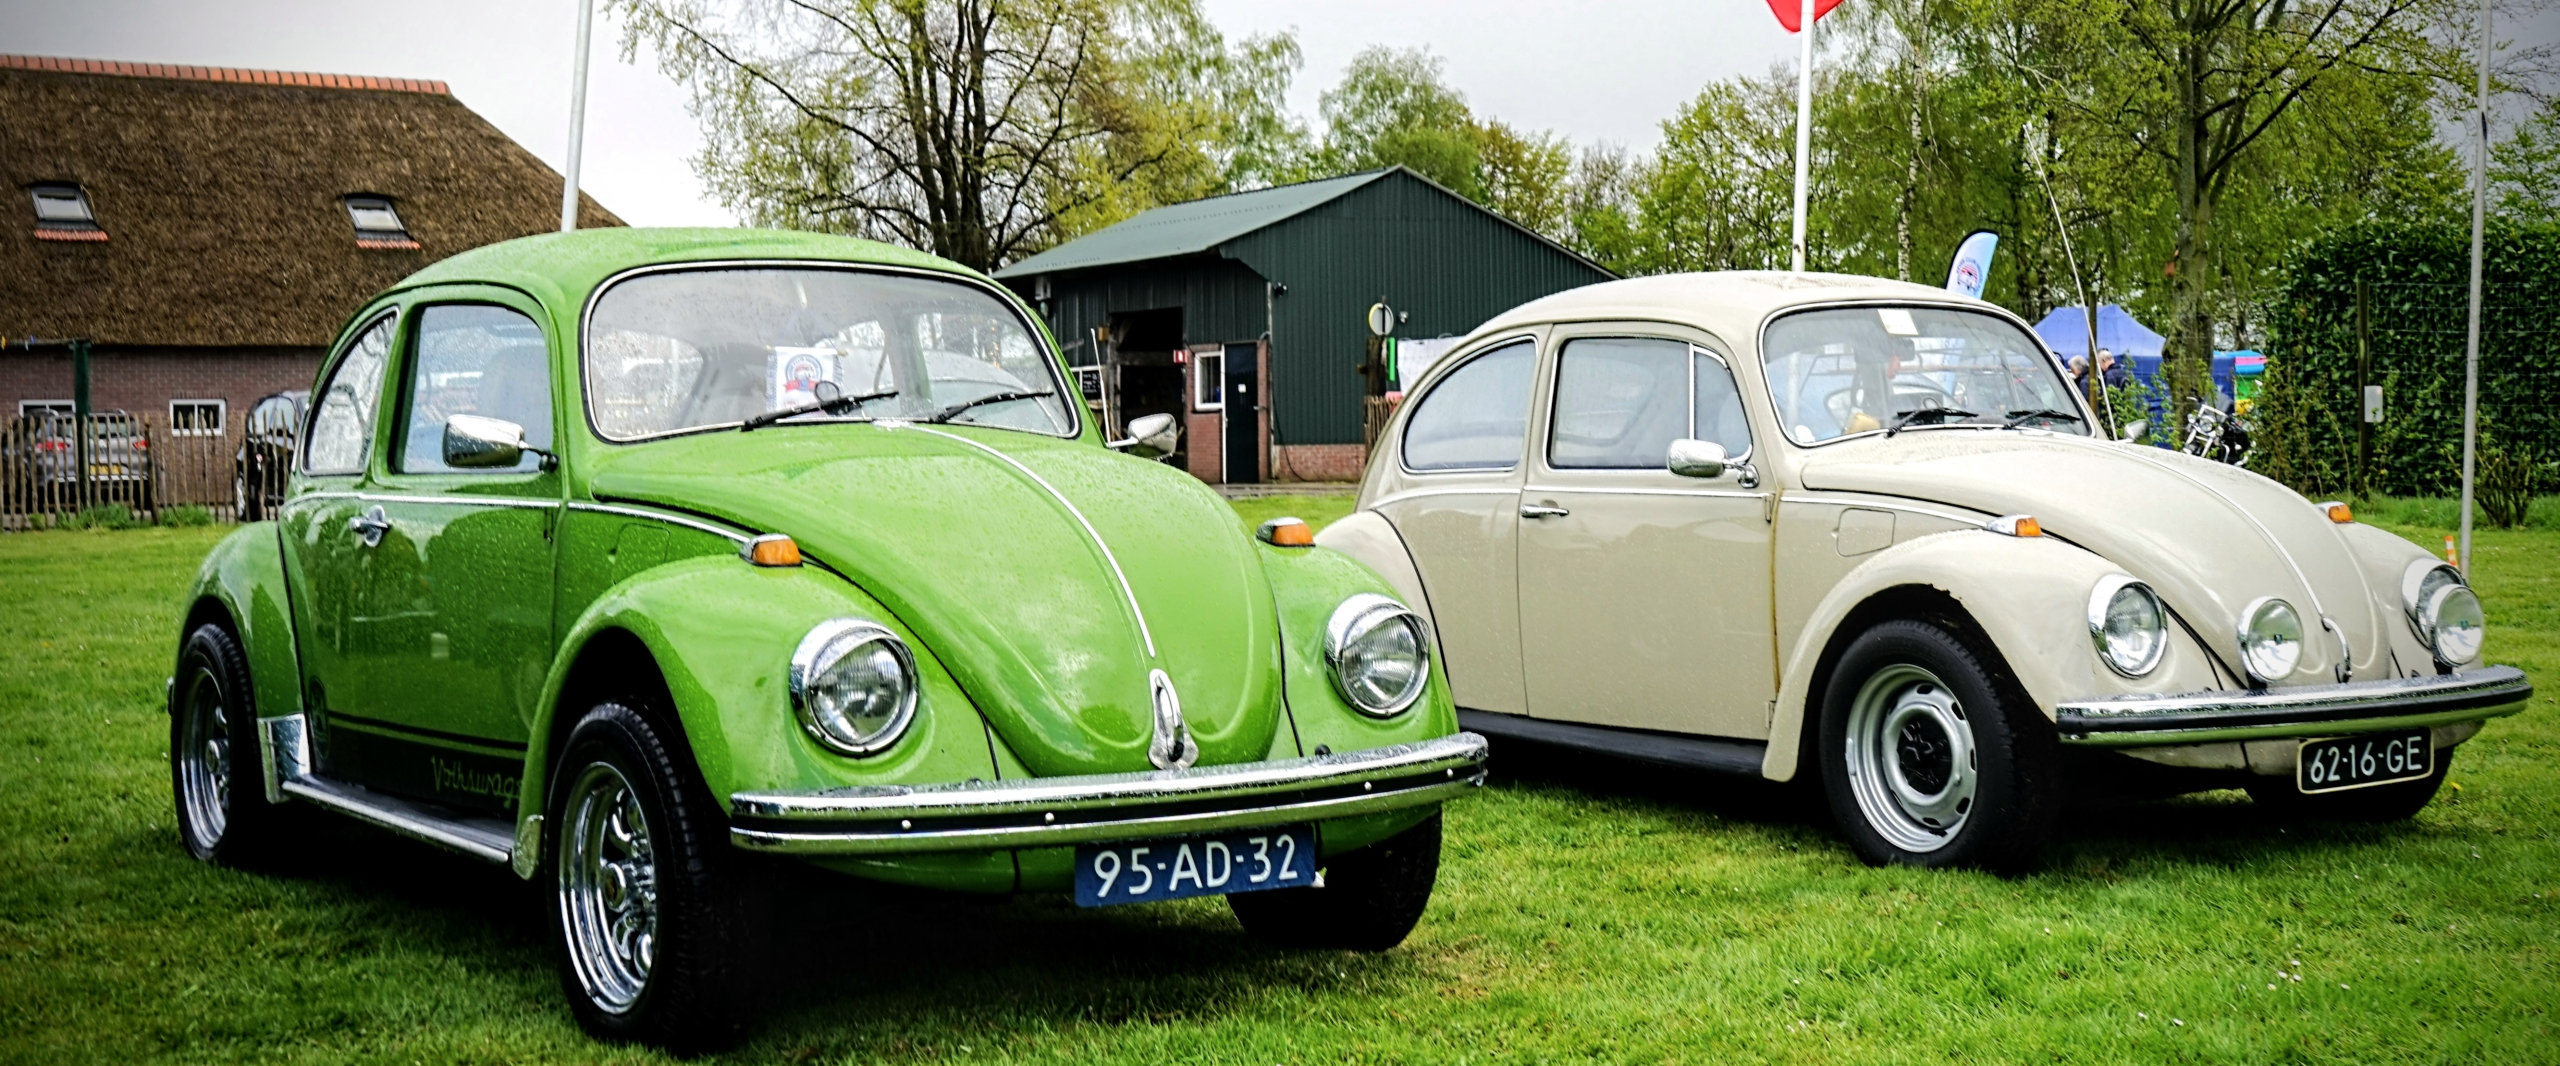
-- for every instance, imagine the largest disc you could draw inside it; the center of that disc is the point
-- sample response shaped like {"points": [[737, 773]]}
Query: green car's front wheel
{"points": [[651, 923], [1369, 900], [223, 813]]}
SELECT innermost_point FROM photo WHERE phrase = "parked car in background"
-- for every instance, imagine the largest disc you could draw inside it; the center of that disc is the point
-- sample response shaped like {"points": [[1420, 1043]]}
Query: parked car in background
{"points": [[1785, 524], [265, 460], [624, 556], [46, 460]]}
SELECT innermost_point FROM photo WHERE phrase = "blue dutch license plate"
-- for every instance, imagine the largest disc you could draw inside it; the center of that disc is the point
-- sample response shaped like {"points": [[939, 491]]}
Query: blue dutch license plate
{"points": [[1246, 860]]}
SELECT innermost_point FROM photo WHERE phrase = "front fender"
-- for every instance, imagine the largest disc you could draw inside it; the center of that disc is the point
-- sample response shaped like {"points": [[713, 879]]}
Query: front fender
{"points": [[244, 573], [722, 633], [2029, 595]]}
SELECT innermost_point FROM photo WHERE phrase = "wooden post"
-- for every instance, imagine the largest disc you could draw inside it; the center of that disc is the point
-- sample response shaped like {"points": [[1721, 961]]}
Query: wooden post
{"points": [[2364, 380]]}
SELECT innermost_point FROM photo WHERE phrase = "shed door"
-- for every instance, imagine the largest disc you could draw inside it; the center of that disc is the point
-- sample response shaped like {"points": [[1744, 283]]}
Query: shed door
{"points": [[1243, 414]]}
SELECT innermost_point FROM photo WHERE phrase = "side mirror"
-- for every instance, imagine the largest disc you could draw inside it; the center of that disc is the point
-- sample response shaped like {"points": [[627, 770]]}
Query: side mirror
{"points": [[478, 442], [1150, 436], [1696, 458], [2135, 429]]}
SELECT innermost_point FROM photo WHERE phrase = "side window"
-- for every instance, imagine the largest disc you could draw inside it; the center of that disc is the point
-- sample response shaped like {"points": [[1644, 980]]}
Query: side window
{"points": [[1718, 407], [1475, 418], [1620, 402], [342, 417], [473, 359]]}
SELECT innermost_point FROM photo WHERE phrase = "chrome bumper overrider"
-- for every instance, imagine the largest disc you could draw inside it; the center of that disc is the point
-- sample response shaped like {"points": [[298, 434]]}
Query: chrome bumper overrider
{"points": [[1049, 811], [2306, 710]]}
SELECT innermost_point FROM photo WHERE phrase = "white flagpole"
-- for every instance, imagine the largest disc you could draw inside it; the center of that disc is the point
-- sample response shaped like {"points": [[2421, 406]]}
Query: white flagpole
{"points": [[2471, 346], [1804, 128], [577, 120]]}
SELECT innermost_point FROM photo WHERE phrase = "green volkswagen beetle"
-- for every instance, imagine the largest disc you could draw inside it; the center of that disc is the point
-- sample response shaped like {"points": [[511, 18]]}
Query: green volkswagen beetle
{"points": [[623, 556]]}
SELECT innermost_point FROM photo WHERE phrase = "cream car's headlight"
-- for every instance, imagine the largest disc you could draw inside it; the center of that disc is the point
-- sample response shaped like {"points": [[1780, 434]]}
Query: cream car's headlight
{"points": [[1380, 654], [853, 684], [2128, 625], [2270, 639], [2443, 611]]}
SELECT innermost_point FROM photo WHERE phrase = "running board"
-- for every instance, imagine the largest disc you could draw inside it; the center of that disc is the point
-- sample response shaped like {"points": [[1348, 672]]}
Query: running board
{"points": [[1642, 745], [284, 752]]}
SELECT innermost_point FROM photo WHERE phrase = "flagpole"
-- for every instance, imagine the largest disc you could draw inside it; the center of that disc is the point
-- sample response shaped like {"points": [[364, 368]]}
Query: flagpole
{"points": [[577, 120], [2471, 345], [1804, 129]]}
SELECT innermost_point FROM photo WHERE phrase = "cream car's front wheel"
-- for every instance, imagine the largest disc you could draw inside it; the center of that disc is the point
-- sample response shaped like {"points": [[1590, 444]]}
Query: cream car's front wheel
{"points": [[1929, 758]]}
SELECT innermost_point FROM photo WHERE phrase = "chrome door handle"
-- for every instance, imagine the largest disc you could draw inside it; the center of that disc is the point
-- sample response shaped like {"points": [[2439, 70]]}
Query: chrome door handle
{"points": [[1532, 510], [370, 526]]}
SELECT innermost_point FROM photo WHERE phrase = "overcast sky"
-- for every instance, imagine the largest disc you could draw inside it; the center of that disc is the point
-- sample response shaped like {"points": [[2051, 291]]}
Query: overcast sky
{"points": [[1590, 70]]}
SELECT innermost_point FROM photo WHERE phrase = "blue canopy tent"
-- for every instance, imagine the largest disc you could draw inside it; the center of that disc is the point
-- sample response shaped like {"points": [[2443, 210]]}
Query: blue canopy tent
{"points": [[2066, 331]]}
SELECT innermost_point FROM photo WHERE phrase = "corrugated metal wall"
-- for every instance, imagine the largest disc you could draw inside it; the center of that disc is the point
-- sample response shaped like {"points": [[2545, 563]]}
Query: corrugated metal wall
{"points": [[1446, 263]]}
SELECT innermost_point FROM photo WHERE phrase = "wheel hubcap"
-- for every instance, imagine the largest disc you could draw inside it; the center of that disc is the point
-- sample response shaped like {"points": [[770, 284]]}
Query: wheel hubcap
{"points": [[1911, 758], [204, 761], [608, 888]]}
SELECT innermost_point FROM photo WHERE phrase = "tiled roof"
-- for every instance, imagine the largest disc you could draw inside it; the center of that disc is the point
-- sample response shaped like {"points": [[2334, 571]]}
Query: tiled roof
{"points": [[229, 74]]}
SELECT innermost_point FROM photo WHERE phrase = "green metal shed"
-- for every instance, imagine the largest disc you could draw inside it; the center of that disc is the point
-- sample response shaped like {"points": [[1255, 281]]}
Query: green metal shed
{"points": [[1258, 301]]}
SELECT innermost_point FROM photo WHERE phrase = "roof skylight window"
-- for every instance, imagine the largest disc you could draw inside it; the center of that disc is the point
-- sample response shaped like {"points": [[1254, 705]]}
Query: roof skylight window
{"points": [[378, 224], [62, 213]]}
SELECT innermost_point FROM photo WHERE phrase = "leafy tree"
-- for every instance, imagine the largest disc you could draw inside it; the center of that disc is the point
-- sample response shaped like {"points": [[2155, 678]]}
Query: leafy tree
{"points": [[2524, 174], [1395, 107]]}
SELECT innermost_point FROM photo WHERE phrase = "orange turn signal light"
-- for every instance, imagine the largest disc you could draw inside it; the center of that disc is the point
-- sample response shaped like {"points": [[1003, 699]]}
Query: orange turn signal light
{"points": [[772, 549], [2337, 511], [1286, 533], [2016, 525]]}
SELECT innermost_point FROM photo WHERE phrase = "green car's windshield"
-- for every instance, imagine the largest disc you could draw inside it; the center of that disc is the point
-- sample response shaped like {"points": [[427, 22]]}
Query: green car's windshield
{"points": [[1848, 370], [694, 349]]}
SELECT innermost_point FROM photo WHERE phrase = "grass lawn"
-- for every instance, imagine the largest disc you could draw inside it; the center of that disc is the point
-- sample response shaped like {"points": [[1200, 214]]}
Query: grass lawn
{"points": [[1585, 911]]}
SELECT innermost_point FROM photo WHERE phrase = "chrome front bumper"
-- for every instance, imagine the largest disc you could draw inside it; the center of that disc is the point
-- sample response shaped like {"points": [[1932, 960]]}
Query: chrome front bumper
{"points": [[1050, 811], [2307, 710]]}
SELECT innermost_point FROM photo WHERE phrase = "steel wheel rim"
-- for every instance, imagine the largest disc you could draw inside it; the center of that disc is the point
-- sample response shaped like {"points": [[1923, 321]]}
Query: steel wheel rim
{"points": [[204, 761], [1911, 757], [608, 888]]}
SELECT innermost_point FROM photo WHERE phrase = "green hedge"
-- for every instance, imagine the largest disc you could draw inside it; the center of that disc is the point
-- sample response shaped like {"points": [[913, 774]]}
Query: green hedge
{"points": [[2417, 279]]}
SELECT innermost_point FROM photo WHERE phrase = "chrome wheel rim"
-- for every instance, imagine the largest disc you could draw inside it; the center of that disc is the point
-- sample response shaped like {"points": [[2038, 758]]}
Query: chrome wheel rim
{"points": [[1912, 762], [608, 888], [204, 761]]}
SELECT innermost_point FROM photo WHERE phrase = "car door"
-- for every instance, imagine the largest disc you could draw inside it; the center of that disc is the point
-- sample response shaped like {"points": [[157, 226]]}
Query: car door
{"points": [[454, 611], [324, 526], [1457, 506], [1644, 595]]}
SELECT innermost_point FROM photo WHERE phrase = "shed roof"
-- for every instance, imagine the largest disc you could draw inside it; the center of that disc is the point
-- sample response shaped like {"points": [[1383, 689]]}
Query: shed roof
{"points": [[1189, 228], [222, 196]]}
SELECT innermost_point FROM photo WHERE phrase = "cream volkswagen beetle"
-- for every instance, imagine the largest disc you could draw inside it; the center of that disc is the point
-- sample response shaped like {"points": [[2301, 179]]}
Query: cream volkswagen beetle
{"points": [[1792, 524]]}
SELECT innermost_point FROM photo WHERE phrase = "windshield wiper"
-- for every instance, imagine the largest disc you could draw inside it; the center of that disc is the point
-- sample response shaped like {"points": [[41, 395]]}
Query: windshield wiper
{"points": [[1935, 415], [2019, 418], [830, 399], [947, 413]]}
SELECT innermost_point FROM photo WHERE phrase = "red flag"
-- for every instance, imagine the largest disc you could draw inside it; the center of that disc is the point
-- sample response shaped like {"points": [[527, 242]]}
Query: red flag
{"points": [[1789, 12]]}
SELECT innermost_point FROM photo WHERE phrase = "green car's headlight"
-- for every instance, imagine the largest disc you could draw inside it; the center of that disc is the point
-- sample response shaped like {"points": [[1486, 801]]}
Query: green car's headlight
{"points": [[853, 684], [1380, 653], [2443, 611], [2128, 625], [2270, 639]]}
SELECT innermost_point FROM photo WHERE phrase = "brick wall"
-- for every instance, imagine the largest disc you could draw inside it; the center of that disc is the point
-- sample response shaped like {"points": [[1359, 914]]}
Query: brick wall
{"points": [[1318, 462], [142, 381]]}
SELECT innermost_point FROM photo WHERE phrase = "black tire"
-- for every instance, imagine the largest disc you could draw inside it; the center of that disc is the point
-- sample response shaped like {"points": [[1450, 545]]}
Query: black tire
{"points": [[216, 779], [1910, 708], [2394, 802], [1370, 900], [689, 928]]}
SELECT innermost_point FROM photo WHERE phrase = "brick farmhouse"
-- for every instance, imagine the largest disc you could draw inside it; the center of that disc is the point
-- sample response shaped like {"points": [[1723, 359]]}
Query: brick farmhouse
{"points": [[210, 229]]}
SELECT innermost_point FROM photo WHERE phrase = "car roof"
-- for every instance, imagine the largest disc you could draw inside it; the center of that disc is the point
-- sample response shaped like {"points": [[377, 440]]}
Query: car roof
{"points": [[1728, 303], [564, 267]]}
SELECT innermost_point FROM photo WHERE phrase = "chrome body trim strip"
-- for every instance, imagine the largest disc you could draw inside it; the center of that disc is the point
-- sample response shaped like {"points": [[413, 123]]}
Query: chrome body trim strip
{"points": [[284, 748], [1048, 812], [2299, 710], [695, 524], [1132, 594], [1607, 490]]}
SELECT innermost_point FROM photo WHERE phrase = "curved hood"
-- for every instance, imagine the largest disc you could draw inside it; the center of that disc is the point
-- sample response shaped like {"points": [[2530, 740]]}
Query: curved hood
{"points": [[1015, 559], [2208, 536]]}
